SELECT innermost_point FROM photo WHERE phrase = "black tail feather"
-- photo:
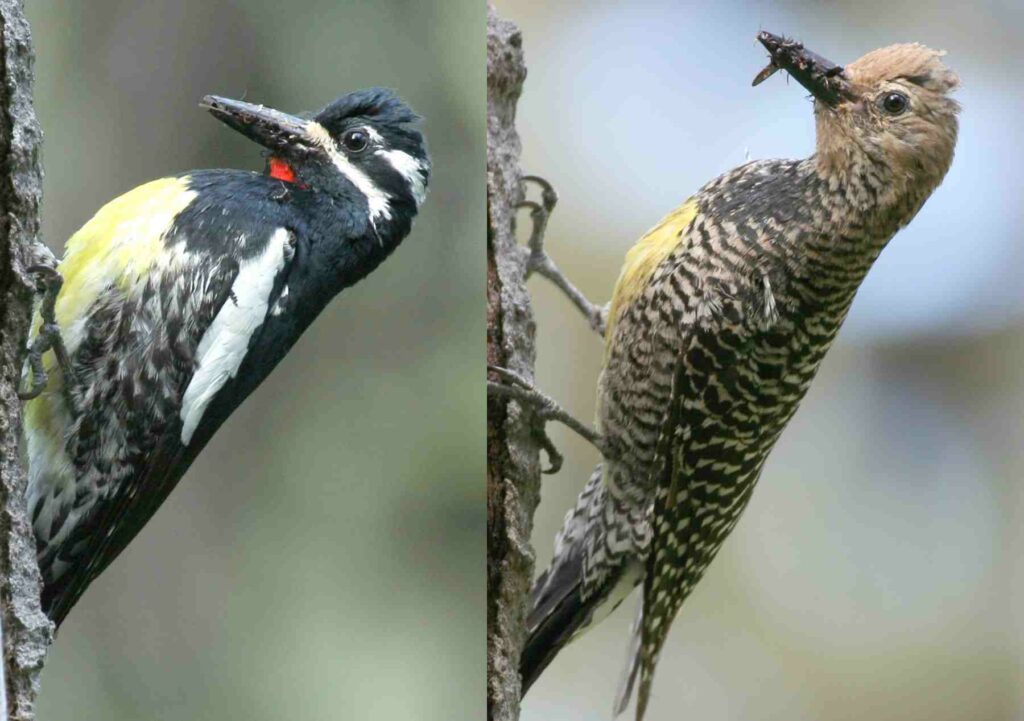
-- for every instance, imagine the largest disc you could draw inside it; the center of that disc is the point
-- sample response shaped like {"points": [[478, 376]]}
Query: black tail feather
{"points": [[558, 611]]}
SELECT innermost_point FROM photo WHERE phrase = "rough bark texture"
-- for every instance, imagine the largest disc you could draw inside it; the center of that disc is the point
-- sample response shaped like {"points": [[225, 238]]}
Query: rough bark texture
{"points": [[26, 631], [513, 470]]}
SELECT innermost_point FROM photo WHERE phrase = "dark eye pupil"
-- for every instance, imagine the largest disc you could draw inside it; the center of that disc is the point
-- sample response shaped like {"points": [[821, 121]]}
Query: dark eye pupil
{"points": [[894, 103], [356, 140]]}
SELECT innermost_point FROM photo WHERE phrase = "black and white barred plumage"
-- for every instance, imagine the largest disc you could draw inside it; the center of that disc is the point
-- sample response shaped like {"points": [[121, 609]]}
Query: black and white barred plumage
{"points": [[719, 321]]}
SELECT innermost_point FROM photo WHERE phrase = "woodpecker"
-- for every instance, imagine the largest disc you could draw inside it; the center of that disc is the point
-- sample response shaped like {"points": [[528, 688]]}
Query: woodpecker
{"points": [[180, 296], [717, 325]]}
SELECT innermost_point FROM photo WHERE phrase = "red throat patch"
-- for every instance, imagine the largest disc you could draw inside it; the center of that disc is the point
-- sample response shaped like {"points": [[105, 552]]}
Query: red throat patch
{"points": [[281, 170]]}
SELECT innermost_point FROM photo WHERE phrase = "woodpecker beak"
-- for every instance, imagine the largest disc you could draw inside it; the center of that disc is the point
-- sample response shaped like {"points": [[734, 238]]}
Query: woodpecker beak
{"points": [[824, 79], [279, 132]]}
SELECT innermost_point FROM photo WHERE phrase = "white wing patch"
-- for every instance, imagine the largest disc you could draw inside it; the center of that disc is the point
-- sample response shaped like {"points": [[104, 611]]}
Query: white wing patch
{"points": [[278, 308], [409, 168], [223, 347]]}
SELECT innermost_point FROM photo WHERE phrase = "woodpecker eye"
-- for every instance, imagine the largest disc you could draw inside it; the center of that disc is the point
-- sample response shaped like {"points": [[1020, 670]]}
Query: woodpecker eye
{"points": [[356, 140], [894, 103]]}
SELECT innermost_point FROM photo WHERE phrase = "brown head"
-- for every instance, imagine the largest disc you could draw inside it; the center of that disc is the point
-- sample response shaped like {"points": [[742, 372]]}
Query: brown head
{"points": [[889, 113]]}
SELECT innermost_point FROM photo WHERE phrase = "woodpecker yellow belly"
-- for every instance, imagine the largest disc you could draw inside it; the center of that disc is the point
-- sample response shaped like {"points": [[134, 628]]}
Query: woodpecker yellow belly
{"points": [[719, 321], [180, 296]]}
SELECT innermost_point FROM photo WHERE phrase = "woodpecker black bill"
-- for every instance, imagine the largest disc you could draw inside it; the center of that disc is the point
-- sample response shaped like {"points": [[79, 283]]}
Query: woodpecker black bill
{"points": [[180, 296], [823, 78], [718, 323], [270, 128]]}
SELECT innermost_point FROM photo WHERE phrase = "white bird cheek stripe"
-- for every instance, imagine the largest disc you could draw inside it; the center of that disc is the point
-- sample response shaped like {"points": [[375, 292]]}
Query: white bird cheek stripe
{"points": [[409, 168], [225, 343], [376, 199]]}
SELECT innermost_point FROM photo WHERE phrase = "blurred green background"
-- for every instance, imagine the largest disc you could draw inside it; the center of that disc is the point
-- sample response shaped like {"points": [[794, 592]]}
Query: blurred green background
{"points": [[323, 559], [878, 572]]}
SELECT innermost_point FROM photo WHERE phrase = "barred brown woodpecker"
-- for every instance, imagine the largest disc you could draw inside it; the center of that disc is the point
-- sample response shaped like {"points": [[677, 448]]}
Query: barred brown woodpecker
{"points": [[717, 325], [180, 297]]}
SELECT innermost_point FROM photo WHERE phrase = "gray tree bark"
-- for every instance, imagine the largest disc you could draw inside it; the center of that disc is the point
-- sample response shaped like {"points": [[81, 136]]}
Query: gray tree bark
{"points": [[26, 630], [513, 453]]}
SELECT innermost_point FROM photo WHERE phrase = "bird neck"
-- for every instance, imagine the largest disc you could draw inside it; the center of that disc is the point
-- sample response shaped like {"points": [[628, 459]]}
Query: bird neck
{"points": [[856, 211], [352, 244], [865, 201]]}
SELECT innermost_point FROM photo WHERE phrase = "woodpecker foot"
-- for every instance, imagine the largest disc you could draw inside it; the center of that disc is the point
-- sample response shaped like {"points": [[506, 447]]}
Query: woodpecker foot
{"points": [[48, 284], [538, 261], [545, 409], [555, 459]]}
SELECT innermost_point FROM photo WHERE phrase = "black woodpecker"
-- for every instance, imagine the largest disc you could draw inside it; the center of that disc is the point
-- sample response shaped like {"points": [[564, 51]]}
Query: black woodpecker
{"points": [[180, 296], [717, 325]]}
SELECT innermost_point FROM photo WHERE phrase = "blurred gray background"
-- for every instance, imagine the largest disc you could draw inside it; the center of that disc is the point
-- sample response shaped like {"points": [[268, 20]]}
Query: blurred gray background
{"points": [[324, 557], [878, 571]]}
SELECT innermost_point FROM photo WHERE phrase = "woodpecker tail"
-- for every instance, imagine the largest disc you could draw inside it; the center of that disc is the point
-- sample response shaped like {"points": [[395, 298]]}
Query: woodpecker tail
{"points": [[565, 600], [557, 611], [629, 673]]}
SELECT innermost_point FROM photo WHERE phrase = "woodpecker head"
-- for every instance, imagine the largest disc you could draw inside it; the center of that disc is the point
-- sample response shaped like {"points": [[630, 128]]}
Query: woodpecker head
{"points": [[368, 141], [890, 111]]}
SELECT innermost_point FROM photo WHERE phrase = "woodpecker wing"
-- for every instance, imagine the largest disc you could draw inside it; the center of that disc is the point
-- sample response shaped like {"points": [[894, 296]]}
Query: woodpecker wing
{"points": [[703, 319], [692, 515], [162, 299]]}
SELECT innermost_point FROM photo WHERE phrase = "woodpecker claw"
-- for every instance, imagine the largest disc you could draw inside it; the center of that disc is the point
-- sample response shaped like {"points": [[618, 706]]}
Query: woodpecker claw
{"points": [[48, 284], [538, 261], [549, 197], [539, 215], [554, 457], [544, 409]]}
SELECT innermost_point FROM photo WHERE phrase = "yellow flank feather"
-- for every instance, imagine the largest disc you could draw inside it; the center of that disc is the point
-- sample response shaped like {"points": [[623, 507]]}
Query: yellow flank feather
{"points": [[645, 257], [118, 245]]}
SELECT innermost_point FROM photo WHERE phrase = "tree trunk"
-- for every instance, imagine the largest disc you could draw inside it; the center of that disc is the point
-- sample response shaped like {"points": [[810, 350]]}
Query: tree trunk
{"points": [[26, 630], [513, 454]]}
